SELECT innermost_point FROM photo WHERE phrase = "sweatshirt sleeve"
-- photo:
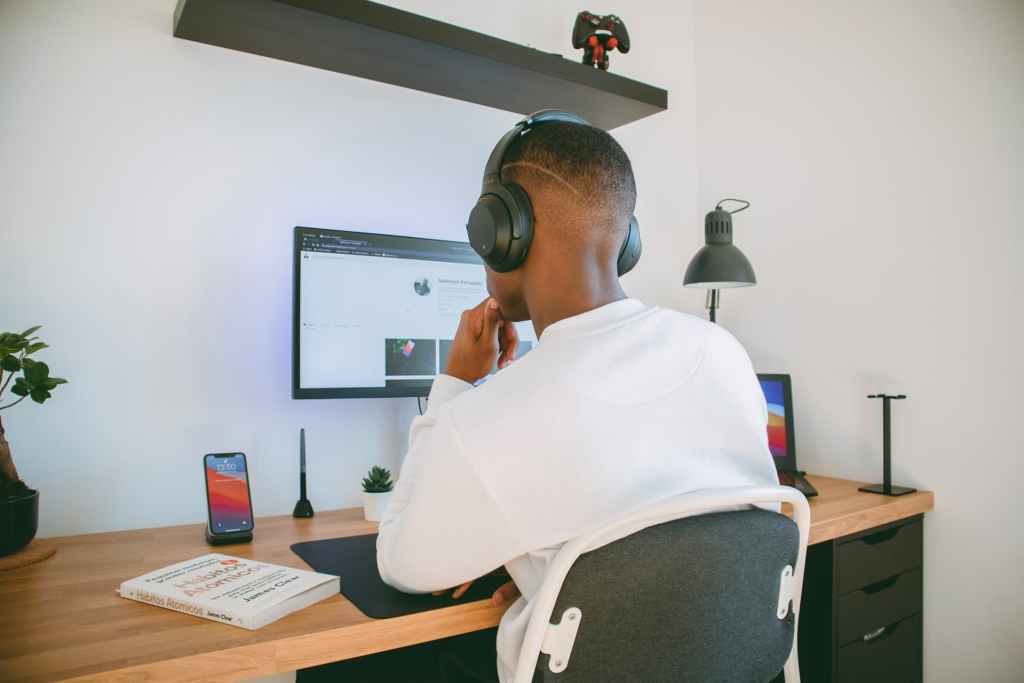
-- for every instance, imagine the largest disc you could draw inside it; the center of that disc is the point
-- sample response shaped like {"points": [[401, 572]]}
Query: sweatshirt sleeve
{"points": [[442, 527]]}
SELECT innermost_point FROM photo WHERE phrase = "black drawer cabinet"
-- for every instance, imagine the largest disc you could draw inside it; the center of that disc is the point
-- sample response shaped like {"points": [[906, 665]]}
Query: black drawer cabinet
{"points": [[878, 555], [860, 617], [863, 612]]}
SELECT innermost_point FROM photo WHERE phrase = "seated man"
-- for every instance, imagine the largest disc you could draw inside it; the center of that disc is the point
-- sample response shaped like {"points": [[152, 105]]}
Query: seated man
{"points": [[618, 405]]}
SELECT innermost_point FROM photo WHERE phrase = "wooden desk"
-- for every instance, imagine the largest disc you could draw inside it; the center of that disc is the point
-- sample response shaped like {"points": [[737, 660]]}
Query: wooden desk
{"points": [[62, 618]]}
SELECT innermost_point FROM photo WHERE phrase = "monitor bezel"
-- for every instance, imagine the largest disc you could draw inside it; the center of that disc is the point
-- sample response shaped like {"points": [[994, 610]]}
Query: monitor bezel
{"points": [[299, 392], [787, 463]]}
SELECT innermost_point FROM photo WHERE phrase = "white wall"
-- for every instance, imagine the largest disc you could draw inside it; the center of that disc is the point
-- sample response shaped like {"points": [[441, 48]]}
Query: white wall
{"points": [[882, 147], [148, 189]]}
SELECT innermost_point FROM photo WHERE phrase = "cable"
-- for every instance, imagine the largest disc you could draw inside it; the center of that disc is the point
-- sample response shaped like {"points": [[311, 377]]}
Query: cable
{"points": [[745, 206], [419, 403]]}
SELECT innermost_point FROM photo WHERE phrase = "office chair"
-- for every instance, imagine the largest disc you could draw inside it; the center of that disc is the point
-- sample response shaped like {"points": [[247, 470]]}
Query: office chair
{"points": [[662, 595]]}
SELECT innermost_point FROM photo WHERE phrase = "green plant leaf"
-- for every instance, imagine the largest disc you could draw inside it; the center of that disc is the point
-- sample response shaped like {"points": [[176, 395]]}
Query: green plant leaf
{"points": [[39, 395], [20, 388], [29, 331], [51, 382], [37, 373], [27, 362], [10, 363], [38, 346], [12, 343]]}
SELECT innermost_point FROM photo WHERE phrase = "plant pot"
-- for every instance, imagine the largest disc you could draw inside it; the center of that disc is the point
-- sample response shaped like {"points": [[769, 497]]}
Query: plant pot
{"points": [[19, 520], [374, 505]]}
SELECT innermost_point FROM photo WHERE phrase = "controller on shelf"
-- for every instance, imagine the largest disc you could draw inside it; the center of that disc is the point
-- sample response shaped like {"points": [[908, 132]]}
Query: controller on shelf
{"points": [[598, 35]]}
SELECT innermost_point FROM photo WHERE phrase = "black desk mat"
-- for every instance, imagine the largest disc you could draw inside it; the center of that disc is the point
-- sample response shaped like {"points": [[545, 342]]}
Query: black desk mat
{"points": [[354, 559]]}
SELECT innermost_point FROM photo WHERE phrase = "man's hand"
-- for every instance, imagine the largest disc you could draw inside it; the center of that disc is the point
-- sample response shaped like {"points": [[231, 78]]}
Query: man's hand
{"points": [[505, 594], [483, 336], [458, 592]]}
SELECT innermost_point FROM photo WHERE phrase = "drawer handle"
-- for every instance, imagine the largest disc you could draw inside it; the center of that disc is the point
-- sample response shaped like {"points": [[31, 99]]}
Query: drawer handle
{"points": [[882, 536], [880, 586], [880, 634], [868, 637]]}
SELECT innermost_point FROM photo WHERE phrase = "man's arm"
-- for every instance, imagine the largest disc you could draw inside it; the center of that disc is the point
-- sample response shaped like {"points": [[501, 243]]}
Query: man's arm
{"points": [[443, 527]]}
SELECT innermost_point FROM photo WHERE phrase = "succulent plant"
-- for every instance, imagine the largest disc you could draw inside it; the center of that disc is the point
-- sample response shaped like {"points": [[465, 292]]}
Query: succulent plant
{"points": [[378, 480]]}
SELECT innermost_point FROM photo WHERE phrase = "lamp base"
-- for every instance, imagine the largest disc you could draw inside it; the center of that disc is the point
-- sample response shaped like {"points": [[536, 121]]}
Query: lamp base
{"points": [[893, 490]]}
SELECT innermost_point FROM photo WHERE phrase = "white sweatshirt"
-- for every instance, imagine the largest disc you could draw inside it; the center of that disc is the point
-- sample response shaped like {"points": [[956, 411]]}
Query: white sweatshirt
{"points": [[614, 408]]}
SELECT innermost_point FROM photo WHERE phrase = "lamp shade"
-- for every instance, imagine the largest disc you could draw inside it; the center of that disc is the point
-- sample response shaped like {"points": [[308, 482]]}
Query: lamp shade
{"points": [[719, 264]]}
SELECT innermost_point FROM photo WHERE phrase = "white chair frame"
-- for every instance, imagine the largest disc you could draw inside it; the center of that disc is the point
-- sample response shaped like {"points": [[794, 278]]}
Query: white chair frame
{"points": [[684, 505]]}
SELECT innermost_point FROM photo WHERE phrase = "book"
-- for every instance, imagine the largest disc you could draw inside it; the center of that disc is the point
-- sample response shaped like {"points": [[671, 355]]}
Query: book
{"points": [[231, 590]]}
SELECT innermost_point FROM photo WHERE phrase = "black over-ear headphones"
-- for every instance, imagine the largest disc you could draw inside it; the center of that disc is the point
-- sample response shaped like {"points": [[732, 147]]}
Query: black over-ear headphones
{"points": [[500, 226]]}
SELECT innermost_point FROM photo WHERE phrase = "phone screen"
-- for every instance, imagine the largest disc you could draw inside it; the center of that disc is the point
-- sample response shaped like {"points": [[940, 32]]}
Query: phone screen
{"points": [[227, 493]]}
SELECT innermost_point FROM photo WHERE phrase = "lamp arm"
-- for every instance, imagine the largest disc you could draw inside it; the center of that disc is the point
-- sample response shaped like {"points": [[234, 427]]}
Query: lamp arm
{"points": [[712, 304]]}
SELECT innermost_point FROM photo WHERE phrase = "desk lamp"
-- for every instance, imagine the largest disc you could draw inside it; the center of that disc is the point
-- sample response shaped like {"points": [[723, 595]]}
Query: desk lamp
{"points": [[719, 264]]}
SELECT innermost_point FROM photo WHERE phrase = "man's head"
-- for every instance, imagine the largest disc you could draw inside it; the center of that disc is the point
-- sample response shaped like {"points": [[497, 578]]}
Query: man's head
{"points": [[581, 186]]}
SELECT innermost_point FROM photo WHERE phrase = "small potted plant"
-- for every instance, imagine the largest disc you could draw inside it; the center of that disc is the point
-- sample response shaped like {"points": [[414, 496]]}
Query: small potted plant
{"points": [[377, 487], [19, 505]]}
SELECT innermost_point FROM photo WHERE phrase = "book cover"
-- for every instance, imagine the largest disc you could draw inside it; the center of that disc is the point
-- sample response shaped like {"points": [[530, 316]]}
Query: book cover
{"points": [[231, 590]]}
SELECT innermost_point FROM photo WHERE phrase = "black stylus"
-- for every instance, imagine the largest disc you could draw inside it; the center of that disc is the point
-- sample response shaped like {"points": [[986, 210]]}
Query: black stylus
{"points": [[303, 508]]}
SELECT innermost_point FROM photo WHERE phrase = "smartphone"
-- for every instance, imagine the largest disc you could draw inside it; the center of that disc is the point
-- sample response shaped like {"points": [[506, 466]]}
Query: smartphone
{"points": [[228, 505]]}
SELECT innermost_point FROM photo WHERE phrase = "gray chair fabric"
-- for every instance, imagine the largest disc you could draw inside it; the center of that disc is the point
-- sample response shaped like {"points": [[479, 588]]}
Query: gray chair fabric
{"points": [[694, 599]]}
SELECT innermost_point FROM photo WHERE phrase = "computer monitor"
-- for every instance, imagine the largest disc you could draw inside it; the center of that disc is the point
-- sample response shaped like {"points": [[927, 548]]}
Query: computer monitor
{"points": [[778, 394], [375, 315]]}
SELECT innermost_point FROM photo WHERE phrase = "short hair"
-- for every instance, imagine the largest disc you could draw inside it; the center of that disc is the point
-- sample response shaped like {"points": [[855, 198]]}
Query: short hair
{"points": [[584, 161]]}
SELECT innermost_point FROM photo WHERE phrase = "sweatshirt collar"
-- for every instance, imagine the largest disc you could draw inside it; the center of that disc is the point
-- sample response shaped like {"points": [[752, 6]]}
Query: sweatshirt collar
{"points": [[594, 319]]}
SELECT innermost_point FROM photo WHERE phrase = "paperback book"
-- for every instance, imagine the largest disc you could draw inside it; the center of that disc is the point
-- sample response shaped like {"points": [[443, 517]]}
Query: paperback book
{"points": [[231, 590]]}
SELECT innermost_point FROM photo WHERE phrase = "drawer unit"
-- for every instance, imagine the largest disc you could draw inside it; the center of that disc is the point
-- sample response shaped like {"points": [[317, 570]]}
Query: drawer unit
{"points": [[891, 654], [865, 610], [878, 555], [860, 617]]}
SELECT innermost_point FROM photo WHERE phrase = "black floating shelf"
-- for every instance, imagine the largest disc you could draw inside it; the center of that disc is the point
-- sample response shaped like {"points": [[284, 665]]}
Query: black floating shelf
{"points": [[386, 44]]}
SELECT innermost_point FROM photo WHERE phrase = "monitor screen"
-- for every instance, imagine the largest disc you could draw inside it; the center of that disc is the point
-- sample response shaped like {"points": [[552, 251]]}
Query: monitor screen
{"points": [[778, 396], [375, 315]]}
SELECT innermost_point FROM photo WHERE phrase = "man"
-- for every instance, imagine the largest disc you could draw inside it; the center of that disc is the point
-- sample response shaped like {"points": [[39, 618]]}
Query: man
{"points": [[618, 405]]}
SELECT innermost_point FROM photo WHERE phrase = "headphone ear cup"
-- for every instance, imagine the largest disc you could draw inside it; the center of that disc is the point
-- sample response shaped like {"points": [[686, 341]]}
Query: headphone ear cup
{"points": [[500, 226], [488, 226], [514, 240], [629, 253]]}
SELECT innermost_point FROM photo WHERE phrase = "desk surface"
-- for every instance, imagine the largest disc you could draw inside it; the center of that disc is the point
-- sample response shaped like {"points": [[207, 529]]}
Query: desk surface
{"points": [[62, 618]]}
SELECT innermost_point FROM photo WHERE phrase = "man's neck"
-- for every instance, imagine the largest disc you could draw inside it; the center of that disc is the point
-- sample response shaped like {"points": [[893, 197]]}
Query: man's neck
{"points": [[576, 295]]}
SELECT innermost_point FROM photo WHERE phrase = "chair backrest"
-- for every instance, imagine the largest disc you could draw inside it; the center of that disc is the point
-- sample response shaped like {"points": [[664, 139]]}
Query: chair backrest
{"points": [[712, 597]]}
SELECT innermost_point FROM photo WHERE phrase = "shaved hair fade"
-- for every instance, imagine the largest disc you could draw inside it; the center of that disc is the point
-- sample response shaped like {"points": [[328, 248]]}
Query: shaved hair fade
{"points": [[585, 166]]}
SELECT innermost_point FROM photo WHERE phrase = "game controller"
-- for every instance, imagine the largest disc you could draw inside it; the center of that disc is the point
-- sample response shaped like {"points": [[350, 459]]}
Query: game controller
{"points": [[598, 35]]}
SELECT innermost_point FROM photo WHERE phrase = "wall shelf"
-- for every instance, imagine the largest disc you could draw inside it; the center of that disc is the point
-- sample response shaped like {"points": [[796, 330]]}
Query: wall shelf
{"points": [[385, 44]]}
